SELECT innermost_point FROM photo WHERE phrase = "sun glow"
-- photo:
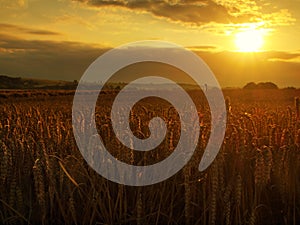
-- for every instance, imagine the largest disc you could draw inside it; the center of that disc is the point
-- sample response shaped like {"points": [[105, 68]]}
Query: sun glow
{"points": [[249, 40]]}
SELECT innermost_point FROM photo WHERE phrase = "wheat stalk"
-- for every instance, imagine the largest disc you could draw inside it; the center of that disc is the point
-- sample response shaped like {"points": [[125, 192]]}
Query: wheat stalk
{"points": [[40, 187]]}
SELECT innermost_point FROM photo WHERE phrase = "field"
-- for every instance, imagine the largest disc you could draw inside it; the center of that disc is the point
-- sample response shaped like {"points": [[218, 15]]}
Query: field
{"points": [[255, 178]]}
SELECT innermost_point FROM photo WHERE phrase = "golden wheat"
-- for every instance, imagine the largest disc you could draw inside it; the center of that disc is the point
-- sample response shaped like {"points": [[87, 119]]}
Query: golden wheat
{"points": [[44, 178]]}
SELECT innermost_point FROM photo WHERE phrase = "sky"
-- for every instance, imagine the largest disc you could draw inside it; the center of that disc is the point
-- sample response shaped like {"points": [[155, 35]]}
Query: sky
{"points": [[241, 40]]}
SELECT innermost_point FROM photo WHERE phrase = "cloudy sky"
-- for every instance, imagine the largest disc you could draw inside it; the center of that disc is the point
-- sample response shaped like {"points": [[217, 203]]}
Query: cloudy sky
{"points": [[241, 40]]}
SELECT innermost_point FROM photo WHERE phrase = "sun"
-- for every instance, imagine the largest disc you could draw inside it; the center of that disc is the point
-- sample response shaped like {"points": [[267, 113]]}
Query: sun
{"points": [[249, 40]]}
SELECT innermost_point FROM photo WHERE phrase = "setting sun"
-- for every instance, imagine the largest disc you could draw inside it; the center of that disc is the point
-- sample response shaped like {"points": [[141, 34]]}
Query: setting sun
{"points": [[249, 41]]}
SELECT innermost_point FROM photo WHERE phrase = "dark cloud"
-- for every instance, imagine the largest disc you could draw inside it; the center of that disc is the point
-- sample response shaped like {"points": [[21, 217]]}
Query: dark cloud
{"points": [[280, 55], [5, 27], [45, 59], [42, 32], [202, 47], [188, 11]]}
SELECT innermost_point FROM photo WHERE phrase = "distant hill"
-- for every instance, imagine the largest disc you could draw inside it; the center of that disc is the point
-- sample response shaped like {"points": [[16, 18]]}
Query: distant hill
{"points": [[7, 82], [261, 85]]}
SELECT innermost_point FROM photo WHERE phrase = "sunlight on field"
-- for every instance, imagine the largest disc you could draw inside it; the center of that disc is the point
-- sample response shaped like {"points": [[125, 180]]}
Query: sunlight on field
{"points": [[42, 170]]}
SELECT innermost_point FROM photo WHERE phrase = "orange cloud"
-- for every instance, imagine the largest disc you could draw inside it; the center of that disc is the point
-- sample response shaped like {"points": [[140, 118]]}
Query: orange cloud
{"points": [[13, 3], [11, 28]]}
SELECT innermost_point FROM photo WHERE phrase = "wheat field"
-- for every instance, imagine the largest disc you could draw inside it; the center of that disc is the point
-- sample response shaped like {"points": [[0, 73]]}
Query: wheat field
{"points": [[255, 178]]}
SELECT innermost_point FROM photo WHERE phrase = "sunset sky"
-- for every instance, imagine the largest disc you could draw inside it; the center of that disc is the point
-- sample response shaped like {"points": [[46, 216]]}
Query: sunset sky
{"points": [[241, 40]]}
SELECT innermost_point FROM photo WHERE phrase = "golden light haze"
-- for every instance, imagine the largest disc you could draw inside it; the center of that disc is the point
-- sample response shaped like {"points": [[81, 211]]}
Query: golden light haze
{"points": [[39, 32]]}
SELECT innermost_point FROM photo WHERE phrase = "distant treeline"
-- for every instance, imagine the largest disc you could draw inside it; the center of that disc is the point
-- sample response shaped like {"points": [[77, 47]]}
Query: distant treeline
{"points": [[261, 85]]}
